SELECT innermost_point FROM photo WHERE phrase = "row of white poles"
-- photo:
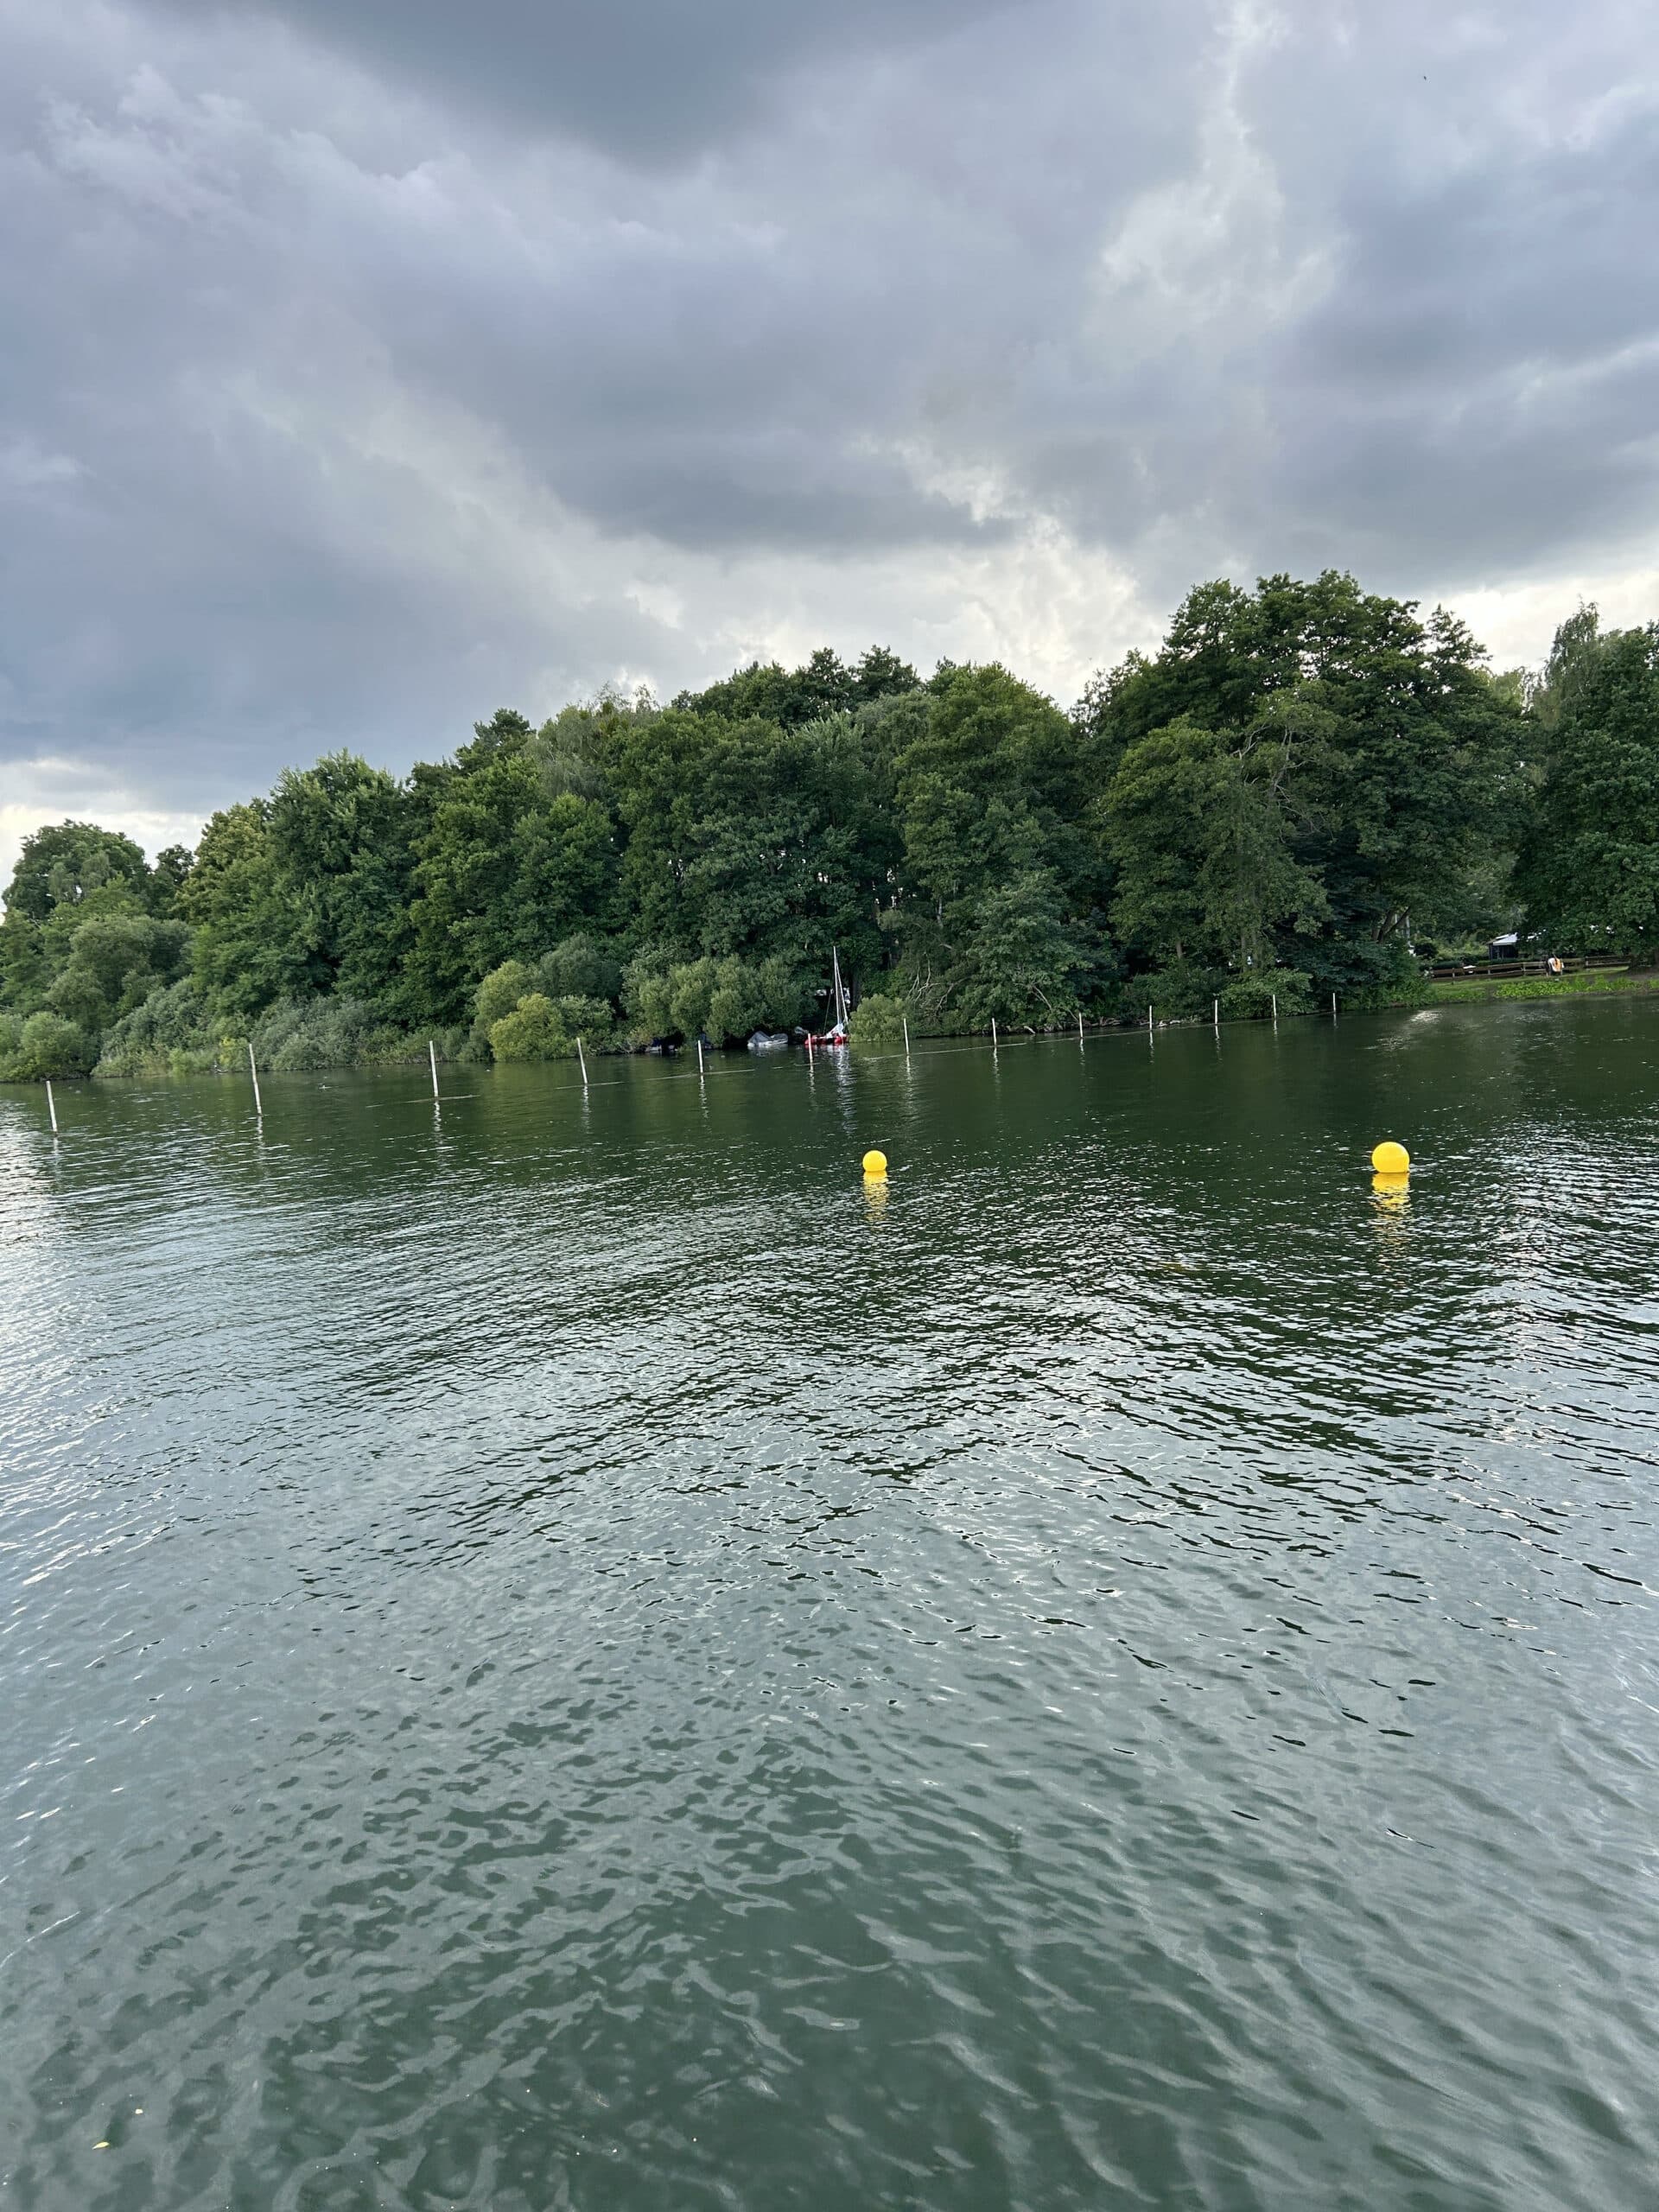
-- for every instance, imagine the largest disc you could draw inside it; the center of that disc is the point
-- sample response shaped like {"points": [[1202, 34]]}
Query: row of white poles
{"points": [[432, 1055], [1215, 1014]]}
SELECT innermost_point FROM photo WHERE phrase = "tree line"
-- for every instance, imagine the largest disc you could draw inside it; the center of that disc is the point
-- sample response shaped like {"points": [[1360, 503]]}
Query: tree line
{"points": [[1305, 789]]}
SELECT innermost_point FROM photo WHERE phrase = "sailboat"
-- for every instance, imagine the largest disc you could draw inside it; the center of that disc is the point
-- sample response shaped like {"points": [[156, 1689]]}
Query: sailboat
{"points": [[837, 1033]]}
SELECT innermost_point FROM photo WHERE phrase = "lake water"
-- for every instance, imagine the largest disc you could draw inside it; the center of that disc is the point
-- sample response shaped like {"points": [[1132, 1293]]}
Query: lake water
{"points": [[558, 1654]]}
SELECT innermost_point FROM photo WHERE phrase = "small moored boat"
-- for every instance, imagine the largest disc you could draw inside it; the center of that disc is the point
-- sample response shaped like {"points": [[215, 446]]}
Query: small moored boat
{"points": [[837, 1033]]}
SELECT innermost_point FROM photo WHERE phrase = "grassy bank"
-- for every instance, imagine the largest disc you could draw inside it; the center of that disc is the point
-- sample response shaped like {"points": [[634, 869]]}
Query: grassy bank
{"points": [[1590, 983]]}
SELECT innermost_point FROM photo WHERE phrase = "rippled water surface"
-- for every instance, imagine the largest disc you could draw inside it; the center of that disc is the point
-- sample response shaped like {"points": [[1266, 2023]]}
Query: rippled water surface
{"points": [[558, 1654]]}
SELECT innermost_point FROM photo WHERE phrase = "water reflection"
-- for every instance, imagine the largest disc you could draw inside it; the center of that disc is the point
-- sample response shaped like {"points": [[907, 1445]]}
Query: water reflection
{"points": [[590, 1680]]}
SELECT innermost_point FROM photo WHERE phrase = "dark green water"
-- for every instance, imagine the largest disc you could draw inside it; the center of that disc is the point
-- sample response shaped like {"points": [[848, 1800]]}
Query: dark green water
{"points": [[560, 1655]]}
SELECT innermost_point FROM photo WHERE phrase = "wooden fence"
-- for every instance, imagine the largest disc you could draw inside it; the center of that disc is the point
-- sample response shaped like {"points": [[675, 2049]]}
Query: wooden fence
{"points": [[1499, 971]]}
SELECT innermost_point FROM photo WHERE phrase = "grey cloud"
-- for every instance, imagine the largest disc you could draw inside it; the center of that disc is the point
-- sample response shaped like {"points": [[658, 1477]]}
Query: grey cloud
{"points": [[1472, 396], [362, 370], [648, 80]]}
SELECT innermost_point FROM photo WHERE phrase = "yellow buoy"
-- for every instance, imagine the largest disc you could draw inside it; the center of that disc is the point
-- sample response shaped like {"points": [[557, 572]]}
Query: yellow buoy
{"points": [[875, 1166], [1391, 1159]]}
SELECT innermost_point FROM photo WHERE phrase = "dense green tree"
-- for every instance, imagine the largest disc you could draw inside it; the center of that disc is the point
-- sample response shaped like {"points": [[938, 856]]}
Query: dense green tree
{"points": [[791, 844], [993, 797], [746, 840], [1019, 962], [1197, 825], [25, 971], [580, 965], [502, 871], [67, 874], [173, 864], [497, 994], [232, 899], [1410, 763], [822, 685], [64, 865], [338, 847], [115, 961], [1589, 870], [725, 999], [1302, 777], [534, 1030], [36, 1046], [540, 1028]]}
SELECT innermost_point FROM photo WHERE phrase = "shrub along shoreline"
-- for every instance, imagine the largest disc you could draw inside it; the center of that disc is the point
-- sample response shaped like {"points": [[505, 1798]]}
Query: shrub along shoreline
{"points": [[1305, 780], [1592, 983]]}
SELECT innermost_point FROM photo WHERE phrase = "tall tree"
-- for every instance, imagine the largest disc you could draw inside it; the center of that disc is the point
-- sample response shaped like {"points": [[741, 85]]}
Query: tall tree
{"points": [[501, 872], [1416, 767], [1197, 823], [789, 696], [339, 847], [64, 865], [992, 798], [1589, 867], [232, 899], [115, 961]]}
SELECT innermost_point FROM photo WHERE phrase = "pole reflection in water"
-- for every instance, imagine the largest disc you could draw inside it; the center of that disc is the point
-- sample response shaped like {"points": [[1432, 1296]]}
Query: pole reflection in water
{"points": [[551, 1667]]}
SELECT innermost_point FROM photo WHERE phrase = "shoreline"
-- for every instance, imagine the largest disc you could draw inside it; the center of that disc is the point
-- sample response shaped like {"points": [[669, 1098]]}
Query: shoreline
{"points": [[1589, 982], [1603, 982]]}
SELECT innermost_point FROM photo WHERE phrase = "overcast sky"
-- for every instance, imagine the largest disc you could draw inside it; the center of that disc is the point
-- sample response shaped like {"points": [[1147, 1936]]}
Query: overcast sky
{"points": [[370, 364]]}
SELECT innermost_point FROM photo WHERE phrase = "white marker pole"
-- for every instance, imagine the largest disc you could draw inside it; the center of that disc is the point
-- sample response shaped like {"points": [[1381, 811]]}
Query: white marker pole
{"points": [[1214, 1009], [1275, 1009], [432, 1055], [259, 1110], [50, 1108], [582, 1057], [1148, 1022], [1079, 1025], [700, 1068], [993, 1033], [1333, 1006], [904, 1018]]}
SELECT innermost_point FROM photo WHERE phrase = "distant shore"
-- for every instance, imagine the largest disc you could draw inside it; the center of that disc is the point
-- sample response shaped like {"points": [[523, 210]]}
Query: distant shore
{"points": [[1590, 983]]}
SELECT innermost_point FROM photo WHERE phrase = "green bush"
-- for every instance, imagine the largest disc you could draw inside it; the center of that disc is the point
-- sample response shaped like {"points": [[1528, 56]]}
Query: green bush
{"points": [[500, 991], [1181, 991], [580, 966], [169, 1034], [647, 996], [116, 962], [299, 1036], [592, 1019], [43, 1045], [1251, 997], [727, 997], [877, 1019], [1366, 975], [534, 1030], [516, 1020]]}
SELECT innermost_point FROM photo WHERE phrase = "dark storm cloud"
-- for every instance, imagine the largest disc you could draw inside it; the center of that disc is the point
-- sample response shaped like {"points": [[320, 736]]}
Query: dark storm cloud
{"points": [[367, 364], [1481, 375]]}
